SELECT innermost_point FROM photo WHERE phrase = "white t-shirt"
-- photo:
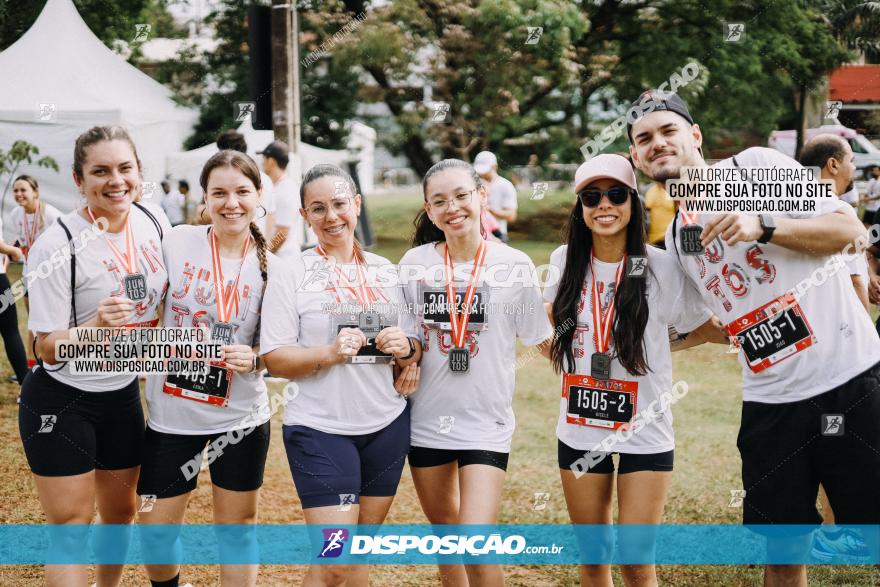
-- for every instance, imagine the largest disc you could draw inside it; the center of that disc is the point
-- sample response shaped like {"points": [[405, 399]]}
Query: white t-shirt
{"points": [[851, 197], [18, 216], [873, 190], [737, 280], [173, 203], [672, 299], [502, 196], [473, 410], [347, 399], [98, 275], [190, 303], [18, 220], [287, 205], [267, 200]]}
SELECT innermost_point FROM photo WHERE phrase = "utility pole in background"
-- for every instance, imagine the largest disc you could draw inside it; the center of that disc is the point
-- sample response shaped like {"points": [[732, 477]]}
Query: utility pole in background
{"points": [[285, 77]]}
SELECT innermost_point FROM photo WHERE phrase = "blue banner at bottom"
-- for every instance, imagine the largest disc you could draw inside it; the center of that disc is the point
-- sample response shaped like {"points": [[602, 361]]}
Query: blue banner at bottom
{"points": [[271, 544]]}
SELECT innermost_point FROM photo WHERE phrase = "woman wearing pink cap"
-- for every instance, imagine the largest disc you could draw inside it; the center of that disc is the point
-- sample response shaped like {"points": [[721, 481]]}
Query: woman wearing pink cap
{"points": [[616, 363]]}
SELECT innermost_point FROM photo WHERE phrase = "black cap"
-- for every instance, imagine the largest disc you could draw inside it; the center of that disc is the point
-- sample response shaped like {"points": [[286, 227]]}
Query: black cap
{"points": [[278, 150], [652, 100]]}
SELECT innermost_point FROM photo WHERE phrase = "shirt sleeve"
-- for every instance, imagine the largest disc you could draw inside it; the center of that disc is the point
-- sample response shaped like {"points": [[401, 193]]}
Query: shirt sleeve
{"points": [[48, 283], [532, 324], [557, 264], [280, 303], [688, 311]]}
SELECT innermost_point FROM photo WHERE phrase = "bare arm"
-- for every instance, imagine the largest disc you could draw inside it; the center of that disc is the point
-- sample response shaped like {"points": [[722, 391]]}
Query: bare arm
{"points": [[821, 235], [508, 214], [279, 238], [861, 291]]}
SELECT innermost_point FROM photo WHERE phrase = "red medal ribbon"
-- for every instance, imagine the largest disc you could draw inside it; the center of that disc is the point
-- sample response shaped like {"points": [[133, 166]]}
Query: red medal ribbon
{"points": [[224, 303], [30, 232], [688, 217], [602, 320], [128, 260], [364, 294], [459, 320]]}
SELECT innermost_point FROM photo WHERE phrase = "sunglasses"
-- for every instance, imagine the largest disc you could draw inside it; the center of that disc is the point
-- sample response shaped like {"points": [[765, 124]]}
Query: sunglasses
{"points": [[590, 197]]}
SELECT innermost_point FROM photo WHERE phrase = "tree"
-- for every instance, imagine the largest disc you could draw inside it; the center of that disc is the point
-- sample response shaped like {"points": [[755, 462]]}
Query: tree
{"points": [[10, 161]]}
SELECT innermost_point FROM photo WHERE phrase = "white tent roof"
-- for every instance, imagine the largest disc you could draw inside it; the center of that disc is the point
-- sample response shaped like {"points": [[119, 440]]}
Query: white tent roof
{"points": [[61, 63]]}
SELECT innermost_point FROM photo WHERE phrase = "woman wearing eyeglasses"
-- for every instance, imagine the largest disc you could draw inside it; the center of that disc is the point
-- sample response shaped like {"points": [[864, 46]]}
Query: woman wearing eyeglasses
{"points": [[616, 363], [330, 323], [462, 415]]}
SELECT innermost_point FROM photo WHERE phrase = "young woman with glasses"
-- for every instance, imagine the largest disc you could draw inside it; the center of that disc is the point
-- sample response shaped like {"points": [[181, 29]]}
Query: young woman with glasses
{"points": [[462, 418], [332, 328], [616, 363]]}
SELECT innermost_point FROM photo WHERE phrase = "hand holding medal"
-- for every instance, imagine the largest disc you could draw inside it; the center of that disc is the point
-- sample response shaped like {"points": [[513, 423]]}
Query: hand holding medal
{"points": [[238, 357], [348, 342], [459, 355], [114, 312], [393, 341]]}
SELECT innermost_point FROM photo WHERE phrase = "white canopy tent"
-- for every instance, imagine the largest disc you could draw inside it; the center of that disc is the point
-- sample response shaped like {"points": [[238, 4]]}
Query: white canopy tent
{"points": [[60, 80]]}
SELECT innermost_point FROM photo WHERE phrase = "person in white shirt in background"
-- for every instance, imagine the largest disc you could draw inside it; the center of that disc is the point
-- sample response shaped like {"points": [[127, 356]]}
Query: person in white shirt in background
{"points": [[287, 238], [232, 139], [31, 218], [501, 193], [872, 199], [834, 158], [173, 204]]}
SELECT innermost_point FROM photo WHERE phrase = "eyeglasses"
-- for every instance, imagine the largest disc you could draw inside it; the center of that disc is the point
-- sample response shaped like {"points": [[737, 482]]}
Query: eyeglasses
{"points": [[591, 197], [318, 210], [461, 200]]}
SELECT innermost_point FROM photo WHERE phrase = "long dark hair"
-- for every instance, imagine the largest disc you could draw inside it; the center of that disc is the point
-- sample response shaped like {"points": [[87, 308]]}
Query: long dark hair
{"points": [[426, 231], [631, 317]]}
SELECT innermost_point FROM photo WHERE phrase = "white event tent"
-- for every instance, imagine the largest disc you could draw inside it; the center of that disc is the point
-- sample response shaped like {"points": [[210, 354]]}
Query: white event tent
{"points": [[59, 80]]}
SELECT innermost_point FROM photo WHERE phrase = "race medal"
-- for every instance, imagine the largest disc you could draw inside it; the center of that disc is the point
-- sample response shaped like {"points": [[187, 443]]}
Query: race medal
{"points": [[134, 282], [135, 286], [369, 324], [690, 239], [459, 360], [600, 360], [600, 366], [690, 233], [221, 332], [459, 356]]}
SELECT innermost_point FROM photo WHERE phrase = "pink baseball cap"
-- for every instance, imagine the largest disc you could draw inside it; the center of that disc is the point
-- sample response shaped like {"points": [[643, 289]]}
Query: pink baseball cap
{"points": [[602, 166]]}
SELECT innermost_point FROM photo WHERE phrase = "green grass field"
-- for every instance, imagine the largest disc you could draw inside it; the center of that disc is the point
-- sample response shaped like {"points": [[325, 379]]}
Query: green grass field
{"points": [[706, 468]]}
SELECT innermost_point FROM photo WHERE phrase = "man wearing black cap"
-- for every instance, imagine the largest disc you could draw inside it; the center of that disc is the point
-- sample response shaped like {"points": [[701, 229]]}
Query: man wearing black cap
{"points": [[288, 236], [808, 351]]}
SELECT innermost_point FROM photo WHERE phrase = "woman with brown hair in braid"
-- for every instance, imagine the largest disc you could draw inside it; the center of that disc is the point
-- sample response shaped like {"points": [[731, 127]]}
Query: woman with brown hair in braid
{"points": [[216, 278]]}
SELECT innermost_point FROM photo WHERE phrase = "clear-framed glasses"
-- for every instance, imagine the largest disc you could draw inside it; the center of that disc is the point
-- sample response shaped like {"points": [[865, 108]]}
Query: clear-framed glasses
{"points": [[318, 210], [461, 199]]}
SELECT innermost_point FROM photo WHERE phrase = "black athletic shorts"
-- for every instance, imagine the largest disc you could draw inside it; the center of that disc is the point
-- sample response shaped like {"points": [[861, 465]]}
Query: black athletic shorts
{"points": [[602, 463], [172, 462], [833, 439], [67, 431], [337, 469], [420, 456]]}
